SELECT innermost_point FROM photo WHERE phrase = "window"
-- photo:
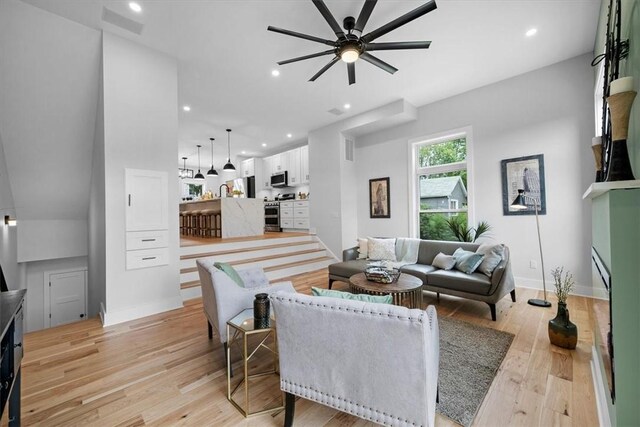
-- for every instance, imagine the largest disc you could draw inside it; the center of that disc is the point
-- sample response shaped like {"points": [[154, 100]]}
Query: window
{"points": [[441, 179]]}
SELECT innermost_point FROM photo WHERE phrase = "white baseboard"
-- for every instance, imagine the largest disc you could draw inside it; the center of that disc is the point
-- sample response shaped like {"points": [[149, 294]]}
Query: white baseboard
{"points": [[155, 307], [581, 290], [600, 389], [191, 293]]}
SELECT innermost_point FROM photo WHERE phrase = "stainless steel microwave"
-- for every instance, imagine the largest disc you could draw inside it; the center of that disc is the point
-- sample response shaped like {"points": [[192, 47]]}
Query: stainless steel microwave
{"points": [[280, 179]]}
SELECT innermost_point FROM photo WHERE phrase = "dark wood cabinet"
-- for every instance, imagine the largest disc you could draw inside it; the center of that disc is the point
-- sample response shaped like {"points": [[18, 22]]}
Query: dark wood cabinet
{"points": [[11, 351]]}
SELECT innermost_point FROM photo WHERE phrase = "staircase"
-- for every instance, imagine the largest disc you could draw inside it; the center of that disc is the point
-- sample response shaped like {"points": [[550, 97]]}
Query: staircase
{"points": [[280, 257]]}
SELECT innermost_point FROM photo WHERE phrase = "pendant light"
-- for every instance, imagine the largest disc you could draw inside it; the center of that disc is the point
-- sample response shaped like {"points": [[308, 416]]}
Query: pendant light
{"points": [[229, 166], [212, 171], [199, 175], [184, 172]]}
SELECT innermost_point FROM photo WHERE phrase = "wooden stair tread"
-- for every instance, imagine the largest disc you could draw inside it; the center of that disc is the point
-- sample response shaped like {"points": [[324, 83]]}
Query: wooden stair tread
{"points": [[191, 284], [264, 258], [190, 241], [235, 251]]}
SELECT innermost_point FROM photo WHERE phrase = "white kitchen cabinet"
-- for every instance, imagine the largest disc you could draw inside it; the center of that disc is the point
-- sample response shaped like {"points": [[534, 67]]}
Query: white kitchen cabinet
{"points": [[297, 214], [248, 168], [267, 165], [147, 200], [293, 165], [304, 164]]}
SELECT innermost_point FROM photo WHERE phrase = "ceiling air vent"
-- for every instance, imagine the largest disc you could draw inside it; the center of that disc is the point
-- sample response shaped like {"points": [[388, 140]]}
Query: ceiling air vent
{"points": [[121, 21], [348, 150], [335, 112]]}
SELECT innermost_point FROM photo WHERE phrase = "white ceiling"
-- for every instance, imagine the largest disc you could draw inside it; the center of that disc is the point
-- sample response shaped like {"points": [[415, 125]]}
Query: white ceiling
{"points": [[225, 58]]}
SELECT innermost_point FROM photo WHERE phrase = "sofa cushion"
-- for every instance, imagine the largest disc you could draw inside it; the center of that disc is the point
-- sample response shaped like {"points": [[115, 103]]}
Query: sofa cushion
{"points": [[363, 250], [380, 299], [381, 249], [430, 248], [230, 271], [467, 261], [444, 262], [418, 270], [348, 268], [493, 254], [475, 283]]}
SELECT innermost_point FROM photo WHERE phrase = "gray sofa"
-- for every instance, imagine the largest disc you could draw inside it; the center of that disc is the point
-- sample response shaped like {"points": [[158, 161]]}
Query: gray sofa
{"points": [[476, 286]]}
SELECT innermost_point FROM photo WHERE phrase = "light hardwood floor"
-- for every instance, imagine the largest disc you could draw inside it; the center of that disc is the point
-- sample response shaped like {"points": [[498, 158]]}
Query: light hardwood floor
{"points": [[162, 370]]}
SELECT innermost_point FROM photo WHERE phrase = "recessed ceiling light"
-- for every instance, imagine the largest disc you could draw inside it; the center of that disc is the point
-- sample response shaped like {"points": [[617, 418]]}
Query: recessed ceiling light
{"points": [[289, 135], [135, 7], [186, 108], [264, 144], [532, 32], [347, 106], [244, 152], [275, 73]]}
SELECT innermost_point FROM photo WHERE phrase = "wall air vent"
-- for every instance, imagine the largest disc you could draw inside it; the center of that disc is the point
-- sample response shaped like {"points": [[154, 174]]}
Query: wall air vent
{"points": [[121, 21], [348, 149], [336, 112]]}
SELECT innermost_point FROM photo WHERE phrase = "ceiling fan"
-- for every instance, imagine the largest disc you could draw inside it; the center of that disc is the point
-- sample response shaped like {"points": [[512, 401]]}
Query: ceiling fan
{"points": [[352, 45]]}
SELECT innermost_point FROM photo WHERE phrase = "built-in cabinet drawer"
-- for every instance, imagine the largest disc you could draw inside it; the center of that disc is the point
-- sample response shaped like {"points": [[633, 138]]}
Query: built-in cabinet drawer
{"points": [[301, 204], [144, 258], [301, 212], [147, 240], [286, 212], [286, 205], [294, 214], [286, 223], [301, 223]]}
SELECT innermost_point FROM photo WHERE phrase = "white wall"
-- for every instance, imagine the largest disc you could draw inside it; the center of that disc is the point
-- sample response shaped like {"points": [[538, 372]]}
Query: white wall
{"points": [[140, 131], [36, 280], [8, 235], [547, 111], [50, 239]]}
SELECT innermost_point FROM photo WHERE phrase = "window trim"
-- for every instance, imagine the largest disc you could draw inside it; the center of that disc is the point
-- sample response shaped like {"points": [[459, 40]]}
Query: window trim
{"points": [[414, 171]]}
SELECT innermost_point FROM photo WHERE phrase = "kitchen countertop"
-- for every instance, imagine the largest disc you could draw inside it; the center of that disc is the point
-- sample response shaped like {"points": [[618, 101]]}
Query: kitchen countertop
{"points": [[9, 303]]}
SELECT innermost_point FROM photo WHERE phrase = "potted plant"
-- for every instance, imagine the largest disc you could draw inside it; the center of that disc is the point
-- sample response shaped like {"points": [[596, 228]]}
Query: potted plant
{"points": [[562, 332], [237, 193], [464, 233]]}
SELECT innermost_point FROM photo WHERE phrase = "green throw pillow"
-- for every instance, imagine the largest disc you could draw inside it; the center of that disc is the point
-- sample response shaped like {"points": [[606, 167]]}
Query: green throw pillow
{"points": [[467, 261], [382, 299], [230, 271]]}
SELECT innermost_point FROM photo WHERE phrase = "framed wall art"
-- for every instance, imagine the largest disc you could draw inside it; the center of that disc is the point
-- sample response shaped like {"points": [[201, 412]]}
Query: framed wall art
{"points": [[379, 205], [524, 173]]}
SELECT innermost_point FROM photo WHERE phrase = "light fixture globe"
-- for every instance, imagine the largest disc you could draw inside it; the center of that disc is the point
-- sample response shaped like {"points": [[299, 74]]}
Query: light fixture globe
{"points": [[350, 53], [212, 171], [229, 166]]}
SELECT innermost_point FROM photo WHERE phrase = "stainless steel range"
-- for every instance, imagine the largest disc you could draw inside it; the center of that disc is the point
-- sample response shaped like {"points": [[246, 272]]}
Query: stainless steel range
{"points": [[272, 216]]}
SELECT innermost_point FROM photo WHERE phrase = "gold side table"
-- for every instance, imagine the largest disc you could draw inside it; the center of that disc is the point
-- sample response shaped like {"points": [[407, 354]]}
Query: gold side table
{"points": [[239, 330]]}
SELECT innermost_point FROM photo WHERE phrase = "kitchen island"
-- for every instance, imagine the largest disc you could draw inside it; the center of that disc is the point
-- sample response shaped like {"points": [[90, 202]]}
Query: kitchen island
{"points": [[241, 217]]}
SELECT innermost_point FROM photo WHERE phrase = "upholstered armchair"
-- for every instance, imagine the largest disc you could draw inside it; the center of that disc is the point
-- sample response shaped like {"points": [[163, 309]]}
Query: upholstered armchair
{"points": [[223, 298], [378, 362]]}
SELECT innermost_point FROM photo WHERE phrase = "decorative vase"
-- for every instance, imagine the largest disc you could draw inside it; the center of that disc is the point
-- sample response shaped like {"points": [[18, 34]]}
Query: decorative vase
{"points": [[619, 165], [562, 332], [261, 307]]}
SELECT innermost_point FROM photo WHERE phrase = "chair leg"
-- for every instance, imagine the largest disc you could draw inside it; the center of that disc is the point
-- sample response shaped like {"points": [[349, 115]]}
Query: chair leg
{"points": [[438, 296], [289, 409], [513, 295], [438, 394], [331, 283], [492, 307], [210, 329]]}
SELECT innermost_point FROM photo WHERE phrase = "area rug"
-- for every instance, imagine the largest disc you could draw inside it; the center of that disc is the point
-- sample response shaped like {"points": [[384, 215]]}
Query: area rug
{"points": [[470, 356]]}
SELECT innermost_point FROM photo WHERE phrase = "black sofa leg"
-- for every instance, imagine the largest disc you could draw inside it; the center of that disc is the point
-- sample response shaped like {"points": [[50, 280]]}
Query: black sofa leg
{"points": [[331, 283], [513, 295], [438, 296], [438, 394], [492, 307], [226, 361], [210, 329], [289, 409]]}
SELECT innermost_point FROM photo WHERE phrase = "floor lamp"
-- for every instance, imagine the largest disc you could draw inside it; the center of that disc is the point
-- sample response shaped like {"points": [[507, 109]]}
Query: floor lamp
{"points": [[520, 204]]}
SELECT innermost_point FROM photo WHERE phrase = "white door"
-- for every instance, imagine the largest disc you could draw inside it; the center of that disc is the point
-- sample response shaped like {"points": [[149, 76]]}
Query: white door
{"points": [[67, 297], [147, 203]]}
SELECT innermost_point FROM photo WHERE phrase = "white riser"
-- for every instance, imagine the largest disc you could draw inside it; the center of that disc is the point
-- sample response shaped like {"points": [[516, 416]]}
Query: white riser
{"points": [[250, 244], [191, 293], [299, 269], [258, 253], [187, 277]]}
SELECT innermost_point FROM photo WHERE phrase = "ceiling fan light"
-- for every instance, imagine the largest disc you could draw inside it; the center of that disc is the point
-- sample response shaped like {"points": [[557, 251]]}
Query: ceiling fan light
{"points": [[350, 54]]}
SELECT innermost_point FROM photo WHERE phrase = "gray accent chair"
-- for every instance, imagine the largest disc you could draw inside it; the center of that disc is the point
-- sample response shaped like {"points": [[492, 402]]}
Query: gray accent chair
{"points": [[222, 298], [378, 362], [475, 286]]}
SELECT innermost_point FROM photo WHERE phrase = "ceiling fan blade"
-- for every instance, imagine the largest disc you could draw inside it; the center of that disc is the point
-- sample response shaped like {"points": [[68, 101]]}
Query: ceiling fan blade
{"points": [[300, 35], [365, 13], [378, 63], [325, 68], [324, 10], [398, 22], [398, 45], [302, 58], [351, 70]]}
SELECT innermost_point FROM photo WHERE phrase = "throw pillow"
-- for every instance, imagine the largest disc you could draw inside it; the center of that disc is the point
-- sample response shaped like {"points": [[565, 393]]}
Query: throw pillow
{"points": [[467, 261], [382, 299], [363, 245], [381, 249], [493, 254], [230, 271], [445, 262]]}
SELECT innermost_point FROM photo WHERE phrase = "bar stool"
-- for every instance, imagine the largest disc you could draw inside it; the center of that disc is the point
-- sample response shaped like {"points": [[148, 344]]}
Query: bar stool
{"points": [[206, 220], [216, 226], [183, 223], [194, 223]]}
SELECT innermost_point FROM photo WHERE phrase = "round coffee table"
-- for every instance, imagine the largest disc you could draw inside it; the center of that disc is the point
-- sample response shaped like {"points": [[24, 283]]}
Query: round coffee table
{"points": [[407, 289]]}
